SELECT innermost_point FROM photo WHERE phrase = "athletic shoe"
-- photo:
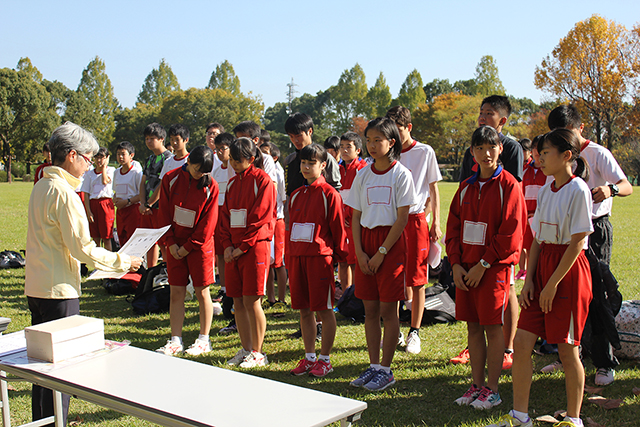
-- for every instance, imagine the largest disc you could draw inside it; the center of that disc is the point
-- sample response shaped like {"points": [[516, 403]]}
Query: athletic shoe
{"points": [[321, 369], [508, 420], [380, 381], [230, 329], [401, 341], [487, 399], [507, 361], [552, 367], [364, 377], [318, 332], [171, 348], [253, 360], [413, 343], [279, 305], [604, 376], [565, 423], [522, 274], [238, 358], [218, 297], [469, 396], [462, 358], [303, 367], [199, 347]]}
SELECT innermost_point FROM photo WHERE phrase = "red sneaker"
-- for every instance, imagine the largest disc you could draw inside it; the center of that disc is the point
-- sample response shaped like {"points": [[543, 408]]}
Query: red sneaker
{"points": [[320, 369], [303, 367], [507, 362], [462, 358]]}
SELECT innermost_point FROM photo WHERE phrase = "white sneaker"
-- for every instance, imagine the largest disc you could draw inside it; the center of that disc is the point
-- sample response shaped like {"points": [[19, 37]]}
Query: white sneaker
{"points": [[199, 347], [401, 341], [238, 358], [552, 367], [604, 376], [509, 420], [171, 348], [413, 343], [254, 360]]}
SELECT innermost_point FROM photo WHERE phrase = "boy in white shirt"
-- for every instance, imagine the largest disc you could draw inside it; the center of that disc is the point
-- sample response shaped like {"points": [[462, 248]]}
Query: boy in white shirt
{"points": [[179, 138], [126, 185], [98, 199]]}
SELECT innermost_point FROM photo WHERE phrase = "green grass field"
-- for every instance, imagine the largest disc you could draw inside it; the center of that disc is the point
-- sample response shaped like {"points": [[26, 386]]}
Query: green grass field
{"points": [[427, 385]]}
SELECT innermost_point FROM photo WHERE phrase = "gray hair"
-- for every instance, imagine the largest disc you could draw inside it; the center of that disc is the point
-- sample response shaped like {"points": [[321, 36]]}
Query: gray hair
{"points": [[70, 137]]}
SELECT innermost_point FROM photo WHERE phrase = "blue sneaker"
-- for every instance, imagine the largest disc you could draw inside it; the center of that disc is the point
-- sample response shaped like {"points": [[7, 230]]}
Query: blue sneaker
{"points": [[364, 378], [380, 381]]}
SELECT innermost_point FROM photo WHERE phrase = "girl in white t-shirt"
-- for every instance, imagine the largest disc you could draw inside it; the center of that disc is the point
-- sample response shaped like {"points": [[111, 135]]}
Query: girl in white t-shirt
{"points": [[557, 290], [380, 196], [98, 199]]}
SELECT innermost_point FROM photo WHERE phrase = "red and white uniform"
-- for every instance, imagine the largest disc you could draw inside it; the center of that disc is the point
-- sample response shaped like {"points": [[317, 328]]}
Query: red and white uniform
{"points": [[561, 213], [101, 202], [39, 172], [486, 221], [378, 195], [317, 235], [421, 161], [172, 163], [603, 170], [126, 186], [192, 213], [533, 179], [222, 175], [348, 173], [247, 222]]}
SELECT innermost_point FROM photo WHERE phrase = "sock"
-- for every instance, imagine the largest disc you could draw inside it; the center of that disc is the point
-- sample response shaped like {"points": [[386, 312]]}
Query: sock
{"points": [[176, 339], [509, 351], [407, 304], [387, 369], [311, 357], [203, 337], [414, 329], [324, 358], [223, 289], [375, 366], [522, 416], [576, 421]]}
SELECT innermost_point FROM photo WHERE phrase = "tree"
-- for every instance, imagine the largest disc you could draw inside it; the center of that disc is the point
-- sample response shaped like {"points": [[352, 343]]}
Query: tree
{"points": [[158, 85], [130, 124], [25, 65], [437, 87], [223, 77], [411, 92], [96, 88], [487, 80], [348, 99], [378, 98], [595, 66]]}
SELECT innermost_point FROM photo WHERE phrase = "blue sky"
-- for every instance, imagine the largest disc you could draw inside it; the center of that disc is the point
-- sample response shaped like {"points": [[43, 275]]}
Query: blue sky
{"points": [[270, 42]]}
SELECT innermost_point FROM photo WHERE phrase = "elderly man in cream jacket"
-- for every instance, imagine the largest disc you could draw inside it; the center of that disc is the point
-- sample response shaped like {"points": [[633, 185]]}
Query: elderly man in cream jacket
{"points": [[58, 240]]}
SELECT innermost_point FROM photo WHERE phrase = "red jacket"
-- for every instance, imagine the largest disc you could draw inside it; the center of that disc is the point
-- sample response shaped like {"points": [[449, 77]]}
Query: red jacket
{"points": [[532, 176], [39, 171], [182, 204], [248, 214], [318, 209], [486, 223]]}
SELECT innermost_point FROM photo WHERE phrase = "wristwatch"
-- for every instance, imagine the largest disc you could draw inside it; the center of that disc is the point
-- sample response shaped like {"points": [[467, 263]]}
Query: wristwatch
{"points": [[485, 264], [147, 205], [382, 250], [614, 190]]}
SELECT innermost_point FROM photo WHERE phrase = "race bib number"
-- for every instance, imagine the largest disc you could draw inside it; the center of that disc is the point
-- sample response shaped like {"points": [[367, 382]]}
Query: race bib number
{"points": [[238, 218], [474, 233], [121, 190], [531, 192], [549, 232], [379, 195], [97, 187], [184, 217], [302, 232]]}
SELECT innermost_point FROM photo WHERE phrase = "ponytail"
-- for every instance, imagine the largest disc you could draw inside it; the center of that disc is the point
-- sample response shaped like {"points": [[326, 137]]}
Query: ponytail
{"points": [[566, 140], [202, 156], [582, 168], [244, 148]]}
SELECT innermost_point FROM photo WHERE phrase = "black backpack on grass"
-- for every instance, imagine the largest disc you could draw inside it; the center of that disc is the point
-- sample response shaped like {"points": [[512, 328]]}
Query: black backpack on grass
{"points": [[11, 259], [150, 297], [351, 306]]}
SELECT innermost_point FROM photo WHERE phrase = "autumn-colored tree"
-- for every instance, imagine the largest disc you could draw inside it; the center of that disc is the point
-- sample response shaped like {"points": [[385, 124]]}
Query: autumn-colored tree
{"points": [[158, 85], [538, 124], [594, 66]]}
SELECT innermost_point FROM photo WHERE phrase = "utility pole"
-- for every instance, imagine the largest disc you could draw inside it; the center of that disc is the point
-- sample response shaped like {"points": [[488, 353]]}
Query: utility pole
{"points": [[291, 94]]}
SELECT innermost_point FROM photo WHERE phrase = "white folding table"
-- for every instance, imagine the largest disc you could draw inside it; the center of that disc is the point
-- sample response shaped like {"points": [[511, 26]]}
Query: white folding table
{"points": [[172, 391]]}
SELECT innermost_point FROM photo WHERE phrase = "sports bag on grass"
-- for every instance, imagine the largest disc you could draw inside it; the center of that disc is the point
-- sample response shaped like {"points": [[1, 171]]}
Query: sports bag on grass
{"points": [[438, 306], [628, 325], [154, 293], [351, 306], [11, 259]]}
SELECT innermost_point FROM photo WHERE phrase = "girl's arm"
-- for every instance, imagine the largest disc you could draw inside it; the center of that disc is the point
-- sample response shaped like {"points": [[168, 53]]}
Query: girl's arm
{"points": [[207, 220], [526, 296], [394, 234], [87, 206], [363, 258], [566, 262]]}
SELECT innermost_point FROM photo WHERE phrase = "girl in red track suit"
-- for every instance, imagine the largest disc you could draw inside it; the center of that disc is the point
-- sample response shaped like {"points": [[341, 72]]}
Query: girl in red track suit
{"points": [[247, 225], [190, 206], [557, 291]]}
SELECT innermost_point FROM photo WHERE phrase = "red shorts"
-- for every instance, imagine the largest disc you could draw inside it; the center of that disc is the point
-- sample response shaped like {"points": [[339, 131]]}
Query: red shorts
{"points": [[104, 214], [528, 237], [418, 242], [351, 250], [287, 236], [565, 322], [127, 220], [311, 282], [278, 244], [217, 239], [248, 274], [151, 220], [198, 264], [486, 303], [387, 285]]}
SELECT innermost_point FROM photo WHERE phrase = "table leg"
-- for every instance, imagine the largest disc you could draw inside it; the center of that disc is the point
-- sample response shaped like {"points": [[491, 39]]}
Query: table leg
{"points": [[57, 409], [4, 395]]}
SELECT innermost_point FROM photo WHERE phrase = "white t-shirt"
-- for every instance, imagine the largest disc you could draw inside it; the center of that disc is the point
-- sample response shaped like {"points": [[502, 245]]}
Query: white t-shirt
{"points": [[563, 212], [126, 186], [172, 163], [281, 196], [222, 176], [93, 185], [604, 170], [378, 195], [421, 161], [269, 167]]}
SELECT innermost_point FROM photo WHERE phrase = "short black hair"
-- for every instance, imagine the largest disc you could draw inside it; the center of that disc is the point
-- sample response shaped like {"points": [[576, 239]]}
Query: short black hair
{"points": [[265, 136], [298, 123], [332, 142], [499, 103], [389, 129], [46, 148], [353, 137], [314, 152], [102, 152], [248, 128], [484, 135], [179, 130], [155, 129], [275, 151], [126, 145], [215, 125], [399, 114], [224, 139], [564, 117], [526, 144]]}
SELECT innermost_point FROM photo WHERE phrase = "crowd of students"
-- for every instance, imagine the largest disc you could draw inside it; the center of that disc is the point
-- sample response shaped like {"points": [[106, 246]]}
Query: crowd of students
{"points": [[231, 205]]}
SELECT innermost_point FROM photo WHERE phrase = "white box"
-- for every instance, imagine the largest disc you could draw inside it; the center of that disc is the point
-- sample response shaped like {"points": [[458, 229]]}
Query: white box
{"points": [[64, 338]]}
